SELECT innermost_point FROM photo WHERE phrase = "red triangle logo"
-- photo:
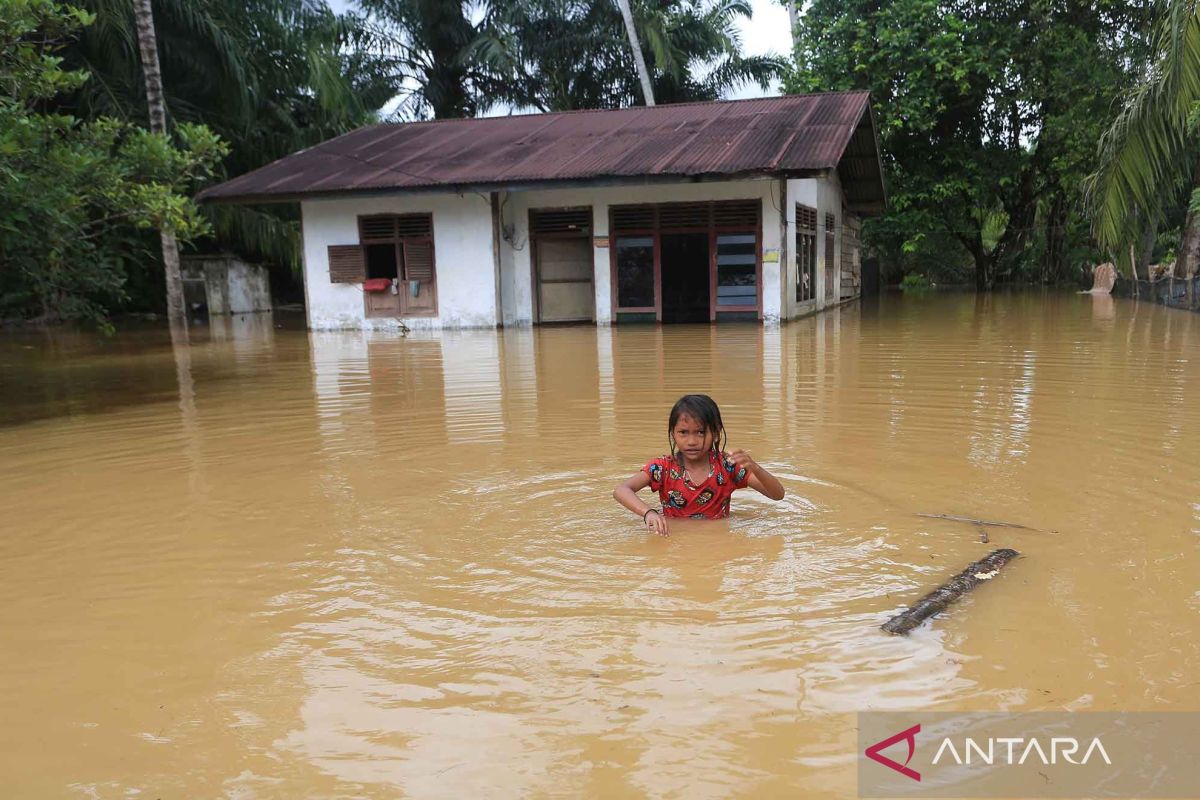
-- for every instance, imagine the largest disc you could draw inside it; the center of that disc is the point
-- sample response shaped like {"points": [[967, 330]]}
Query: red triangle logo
{"points": [[910, 736]]}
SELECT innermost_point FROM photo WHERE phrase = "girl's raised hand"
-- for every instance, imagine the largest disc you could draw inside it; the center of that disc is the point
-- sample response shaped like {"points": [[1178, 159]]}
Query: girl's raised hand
{"points": [[742, 459], [758, 478], [656, 523]]}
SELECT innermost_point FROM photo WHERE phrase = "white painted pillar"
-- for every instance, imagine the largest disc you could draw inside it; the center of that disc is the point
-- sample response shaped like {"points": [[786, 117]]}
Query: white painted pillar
{"points": [[602, 273]]}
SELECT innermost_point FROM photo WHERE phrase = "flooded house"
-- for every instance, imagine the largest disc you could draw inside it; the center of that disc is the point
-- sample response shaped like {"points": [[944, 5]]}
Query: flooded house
{"points": [[695, 212]]}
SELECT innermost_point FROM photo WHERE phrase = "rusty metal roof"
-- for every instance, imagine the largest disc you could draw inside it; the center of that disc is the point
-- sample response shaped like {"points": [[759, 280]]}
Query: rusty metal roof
{"points": [[794, 135]]}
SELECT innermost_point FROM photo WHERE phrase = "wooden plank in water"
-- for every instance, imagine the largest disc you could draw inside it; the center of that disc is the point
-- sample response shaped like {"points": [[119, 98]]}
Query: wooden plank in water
{"points": [[941, 597]]}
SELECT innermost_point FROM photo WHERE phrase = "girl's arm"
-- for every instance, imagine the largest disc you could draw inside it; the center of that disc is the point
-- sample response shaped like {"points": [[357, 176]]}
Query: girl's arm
{"points": [[626, 495], [760, 480]]}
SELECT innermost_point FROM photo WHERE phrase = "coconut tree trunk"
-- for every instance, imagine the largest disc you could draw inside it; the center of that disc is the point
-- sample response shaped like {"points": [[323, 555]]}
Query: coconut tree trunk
{"points": [[1188, 258], [148, 45], [643, 73], [793, 21], [176, 318]]}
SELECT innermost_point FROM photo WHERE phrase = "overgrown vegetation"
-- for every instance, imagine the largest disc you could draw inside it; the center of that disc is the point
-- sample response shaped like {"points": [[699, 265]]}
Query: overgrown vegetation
{"points": [[990, 115], [77, 196], [1149, 165]]}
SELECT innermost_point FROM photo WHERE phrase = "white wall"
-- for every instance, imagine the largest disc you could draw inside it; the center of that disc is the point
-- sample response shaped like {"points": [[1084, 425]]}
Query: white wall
{"points": [[829, 198], [825, 195], [249, 287], [462, 242], [516, 267], [462, 229]]}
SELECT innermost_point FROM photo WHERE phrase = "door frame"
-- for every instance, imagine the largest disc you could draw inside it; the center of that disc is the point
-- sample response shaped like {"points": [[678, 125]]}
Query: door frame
{"points": [[707, 231], [535, 279], [713, 230]]}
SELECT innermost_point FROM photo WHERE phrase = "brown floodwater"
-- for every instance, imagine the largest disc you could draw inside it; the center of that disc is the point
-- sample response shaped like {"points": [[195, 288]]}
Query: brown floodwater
{"points": [[358, 565]]}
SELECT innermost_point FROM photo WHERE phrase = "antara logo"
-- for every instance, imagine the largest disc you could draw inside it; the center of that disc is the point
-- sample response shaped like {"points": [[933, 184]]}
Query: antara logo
{"points": [[1012, 751], [909, 736], [1060, 747]]}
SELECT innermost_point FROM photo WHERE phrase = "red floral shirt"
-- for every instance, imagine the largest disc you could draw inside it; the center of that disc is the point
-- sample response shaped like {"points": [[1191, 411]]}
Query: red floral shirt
{"points": [[708, 500]]}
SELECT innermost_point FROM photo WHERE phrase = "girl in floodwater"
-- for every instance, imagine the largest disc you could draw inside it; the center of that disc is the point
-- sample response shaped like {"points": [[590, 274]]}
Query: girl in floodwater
{"points": [[699, 477]]}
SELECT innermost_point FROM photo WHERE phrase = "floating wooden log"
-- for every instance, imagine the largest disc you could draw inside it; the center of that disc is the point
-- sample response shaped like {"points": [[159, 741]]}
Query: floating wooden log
{"points": [[941, 597], [973, 521]]}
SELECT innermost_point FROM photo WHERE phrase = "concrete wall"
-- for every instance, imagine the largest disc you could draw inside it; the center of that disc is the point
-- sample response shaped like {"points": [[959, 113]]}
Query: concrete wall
{"points": [[472, 294], [851, 259], [825, 195], [462, 244], [231, 286], [516, 267]]}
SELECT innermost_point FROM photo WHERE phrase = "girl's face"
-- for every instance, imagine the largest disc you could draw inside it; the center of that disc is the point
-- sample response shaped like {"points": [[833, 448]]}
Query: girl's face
{"points": [[692, 438]]}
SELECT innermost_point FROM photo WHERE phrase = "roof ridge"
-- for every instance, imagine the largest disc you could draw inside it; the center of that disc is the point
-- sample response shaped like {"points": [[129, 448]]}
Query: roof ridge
{"points": [[640, 142], [603, 110]]}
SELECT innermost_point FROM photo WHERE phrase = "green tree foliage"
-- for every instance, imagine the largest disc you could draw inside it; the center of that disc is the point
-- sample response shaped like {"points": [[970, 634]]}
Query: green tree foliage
{"points": [[428, 46], [989, 117], [75, 194], [268, 76], [458, 59], [561, 55], [565, 54], [1149, 154]]}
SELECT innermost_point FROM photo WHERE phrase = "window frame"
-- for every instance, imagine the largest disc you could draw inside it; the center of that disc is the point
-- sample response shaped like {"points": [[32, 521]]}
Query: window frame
{"points": [[806, 252], [832, 272], [712, 227], [421, 226]]}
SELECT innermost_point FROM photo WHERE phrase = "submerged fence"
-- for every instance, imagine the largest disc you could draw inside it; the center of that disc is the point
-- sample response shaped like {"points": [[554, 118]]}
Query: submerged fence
{"points": [[1166, 292]]}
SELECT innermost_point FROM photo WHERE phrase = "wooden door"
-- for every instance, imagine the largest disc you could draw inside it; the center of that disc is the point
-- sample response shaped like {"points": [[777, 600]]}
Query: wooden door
{"points": [[564, 280]]}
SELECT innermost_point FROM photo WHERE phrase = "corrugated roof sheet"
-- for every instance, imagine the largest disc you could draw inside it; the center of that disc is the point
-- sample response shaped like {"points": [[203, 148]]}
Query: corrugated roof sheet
{"points": [[795, 134]]}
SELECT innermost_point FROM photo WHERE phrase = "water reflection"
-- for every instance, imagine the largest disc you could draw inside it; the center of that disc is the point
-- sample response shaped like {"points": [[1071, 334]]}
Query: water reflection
{"points": [[375, 565], [1104, 307]]}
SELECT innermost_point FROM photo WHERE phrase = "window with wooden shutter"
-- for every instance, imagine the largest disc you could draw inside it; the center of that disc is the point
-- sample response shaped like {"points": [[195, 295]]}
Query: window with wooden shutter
{"points": [[736, 213], [419, 292], [560, 220], [831, 281], [418, 261], [389, 227], [684, 215], [346, 263], [414, 225], [635, 218], [400, 245], [377, 229], [724, 214], [806, 253]]}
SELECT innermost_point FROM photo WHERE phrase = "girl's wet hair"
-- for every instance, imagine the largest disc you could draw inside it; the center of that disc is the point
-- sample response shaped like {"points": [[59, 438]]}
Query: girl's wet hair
{"points": [[703, 409]]}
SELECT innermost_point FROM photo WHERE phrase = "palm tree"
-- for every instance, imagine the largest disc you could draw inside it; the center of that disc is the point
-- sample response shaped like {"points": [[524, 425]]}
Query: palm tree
{"points": [[176, 315], [557, 55], [268, 76], [158, 124], [428, 45], [561, 55], [631, 32], [697, 51], [1149, 152]]}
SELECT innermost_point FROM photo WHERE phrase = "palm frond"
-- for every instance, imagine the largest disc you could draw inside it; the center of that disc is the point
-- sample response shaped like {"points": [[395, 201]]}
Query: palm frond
{"points": [[1146, 155], [257, 233]]}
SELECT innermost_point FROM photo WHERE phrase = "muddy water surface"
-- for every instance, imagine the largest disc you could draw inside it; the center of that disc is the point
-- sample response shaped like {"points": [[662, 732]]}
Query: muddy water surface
{"points": [[363, 566]]}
